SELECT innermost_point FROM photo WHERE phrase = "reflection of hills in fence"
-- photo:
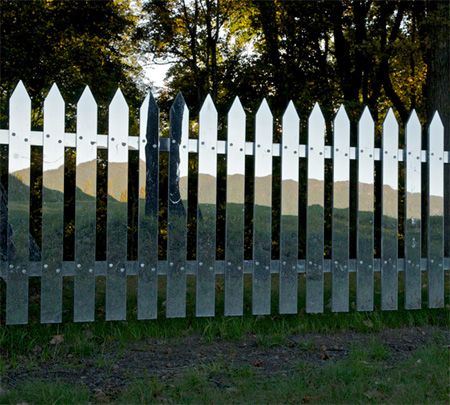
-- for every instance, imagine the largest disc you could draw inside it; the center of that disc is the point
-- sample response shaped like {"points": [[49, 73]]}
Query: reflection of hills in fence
{"points": [[366, 197], [235, 188], [86, 177], [206, 189], [289, 205], [390, 202], [118, 181], [19, 183], [263, 194], [341, 194], [315, 192]]}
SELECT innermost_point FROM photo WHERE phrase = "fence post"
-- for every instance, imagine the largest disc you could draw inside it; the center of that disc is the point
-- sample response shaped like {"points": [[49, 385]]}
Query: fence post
{"points": [[52, 207], [289, 212], [234, 239], [413, 212], [85, 208], [315, 213], [148, 209], [341, 213], [117, 213], [18, 238], [262, 213], [389, 220], [365, 224], [436, 213]]}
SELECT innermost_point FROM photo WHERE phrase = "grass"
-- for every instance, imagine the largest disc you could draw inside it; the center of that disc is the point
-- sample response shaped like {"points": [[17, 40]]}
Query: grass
{"points": [[85, 339], [365, 377]]}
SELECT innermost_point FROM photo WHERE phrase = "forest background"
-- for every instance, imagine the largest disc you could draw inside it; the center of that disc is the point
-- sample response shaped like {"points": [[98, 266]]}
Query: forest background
{"points": [[376, 53]]}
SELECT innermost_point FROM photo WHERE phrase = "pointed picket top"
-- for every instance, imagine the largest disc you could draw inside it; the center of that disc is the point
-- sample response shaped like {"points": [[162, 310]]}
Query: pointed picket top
{"points": [[20, 93], [54, 96], [390, 133], [341, 118], [208, 113], [87, 99], [208, 104], [390, 122], [436, 123], [291, 112], [413, 133], [264, 110], [20, 114], [178, 104], [118, 102], [54, 115], [316, 115], [366, 120], [413, 119], [143, 115], [236, 108], [316, 123]]}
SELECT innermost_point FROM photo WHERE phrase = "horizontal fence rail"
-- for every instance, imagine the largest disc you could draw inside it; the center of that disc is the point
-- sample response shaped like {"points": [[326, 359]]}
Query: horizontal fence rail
{"points": [[23, 259]]}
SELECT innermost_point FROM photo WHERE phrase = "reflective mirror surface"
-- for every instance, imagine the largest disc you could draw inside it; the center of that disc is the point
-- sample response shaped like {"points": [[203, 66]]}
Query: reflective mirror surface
{"points": [[148, 210], [85, 208], [234, 268], [436, 214], [315, 214], [262, 213], [206, 214], [289, 212], [389, 221], [117, 214], [52, 207], [413, 214], [18, 238], [341, 213], [364, 275], [177, 216]]}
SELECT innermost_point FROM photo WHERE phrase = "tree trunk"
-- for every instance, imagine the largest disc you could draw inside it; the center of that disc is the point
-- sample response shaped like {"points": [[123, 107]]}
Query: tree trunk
{"points": [[438, 86]]}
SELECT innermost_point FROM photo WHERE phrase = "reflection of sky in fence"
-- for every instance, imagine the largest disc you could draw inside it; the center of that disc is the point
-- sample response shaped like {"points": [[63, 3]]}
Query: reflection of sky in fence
{"points": [[53, 139]]}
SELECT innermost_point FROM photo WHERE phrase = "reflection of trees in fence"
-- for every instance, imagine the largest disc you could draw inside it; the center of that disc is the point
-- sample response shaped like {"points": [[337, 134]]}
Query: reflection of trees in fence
{"points": [[158, 211]]}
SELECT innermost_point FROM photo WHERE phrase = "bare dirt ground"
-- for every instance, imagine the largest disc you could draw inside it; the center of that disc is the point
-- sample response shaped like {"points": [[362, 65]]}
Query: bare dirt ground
{"points": [[166, 359]]}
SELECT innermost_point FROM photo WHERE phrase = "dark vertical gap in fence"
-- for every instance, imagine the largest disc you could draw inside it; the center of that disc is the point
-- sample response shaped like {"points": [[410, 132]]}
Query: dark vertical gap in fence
{"points": [[328, 187], [102, 196], [424, 219], [447, 192], [328, 209], [192, 207], [401, 209], [3, 223], [69, 204], [378, 192], [248, 206], [34, 297], [35, 203], [302, 190], [133, 202], [221, 198], [353, 206], [276, 207], [163, 204], [353, 236], [3, 201]]}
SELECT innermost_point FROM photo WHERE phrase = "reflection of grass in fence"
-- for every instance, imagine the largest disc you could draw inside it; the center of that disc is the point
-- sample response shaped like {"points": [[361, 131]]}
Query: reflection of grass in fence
{"points": [[21, 339]]}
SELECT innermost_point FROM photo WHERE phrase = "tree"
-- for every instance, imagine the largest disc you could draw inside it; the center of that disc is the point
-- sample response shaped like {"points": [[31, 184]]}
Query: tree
{"points": [[72, 43], [195, 36]]}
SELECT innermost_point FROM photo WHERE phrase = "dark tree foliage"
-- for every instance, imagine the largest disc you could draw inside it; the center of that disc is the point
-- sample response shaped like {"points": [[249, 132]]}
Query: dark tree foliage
{"points": [[72, 43]]}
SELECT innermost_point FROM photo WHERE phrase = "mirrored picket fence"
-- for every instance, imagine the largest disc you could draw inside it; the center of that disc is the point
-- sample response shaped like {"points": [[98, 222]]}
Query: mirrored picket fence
{"points": [[304, 189]]}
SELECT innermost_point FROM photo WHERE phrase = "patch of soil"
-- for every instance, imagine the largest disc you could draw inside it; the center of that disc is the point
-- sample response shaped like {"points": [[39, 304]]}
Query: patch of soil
{"points": [[167, 359]]}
